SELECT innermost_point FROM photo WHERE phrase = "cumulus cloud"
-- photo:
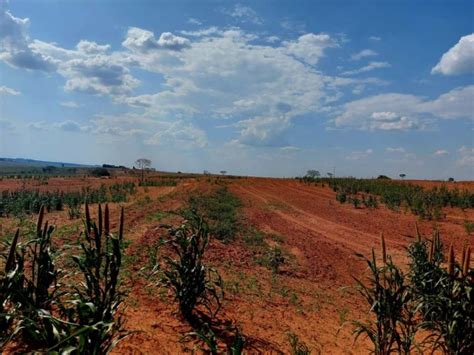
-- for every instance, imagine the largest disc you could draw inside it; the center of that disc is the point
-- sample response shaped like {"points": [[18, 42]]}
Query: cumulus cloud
{"points": [[244, 14], [89, 47], [8, 91], [141, 40], [363, 54], [457, 103], [264, 131], [360, 154], [15, 45], [440, 153], [395, 149], [69, 104], [369, 67], [310, 47], [457, 60], [179, 134], [194, 21], [466, 157], [375, 38], [70, 126], [224, 75], [394, 111]]}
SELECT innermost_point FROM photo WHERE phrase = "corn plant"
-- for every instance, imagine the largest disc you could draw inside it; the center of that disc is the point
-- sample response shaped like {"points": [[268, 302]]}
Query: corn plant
{"points": [[31, 287], [193, 283], [95, 316], [11, 279], [390, 300], [297, 346], [445, 296]]}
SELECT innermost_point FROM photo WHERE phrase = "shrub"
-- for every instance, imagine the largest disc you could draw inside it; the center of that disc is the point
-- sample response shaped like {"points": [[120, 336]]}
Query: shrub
{"points": [[275, 259], [341, 197]]}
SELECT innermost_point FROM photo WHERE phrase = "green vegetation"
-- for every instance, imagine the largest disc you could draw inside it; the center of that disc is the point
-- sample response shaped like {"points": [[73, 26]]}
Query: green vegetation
{"points": [[297, 346], [44, 314], [21, 202], [194, 284], [220, 209], [430, 297], [426, 203], [161, 182]]}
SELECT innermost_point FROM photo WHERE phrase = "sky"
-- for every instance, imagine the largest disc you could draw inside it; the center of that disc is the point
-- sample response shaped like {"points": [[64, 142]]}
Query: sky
{"points": [[268, 88]]}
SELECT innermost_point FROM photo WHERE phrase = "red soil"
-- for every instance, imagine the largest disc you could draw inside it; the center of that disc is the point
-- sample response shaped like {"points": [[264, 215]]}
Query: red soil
{"points": [[313, 296]]}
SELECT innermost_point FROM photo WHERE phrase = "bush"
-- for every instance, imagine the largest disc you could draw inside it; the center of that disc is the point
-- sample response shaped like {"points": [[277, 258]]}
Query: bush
{"points": [[341, 197]]}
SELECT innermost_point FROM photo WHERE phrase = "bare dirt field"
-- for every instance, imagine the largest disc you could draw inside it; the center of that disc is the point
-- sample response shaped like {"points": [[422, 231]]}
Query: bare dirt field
{"points": [[314, 295]]}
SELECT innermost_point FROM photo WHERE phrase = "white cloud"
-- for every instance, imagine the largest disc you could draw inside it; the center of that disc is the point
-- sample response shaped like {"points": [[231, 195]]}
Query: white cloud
{"points": [[369, 67], [457, 103], [440, 153], [140, 40], [395, 150], [222, 75], [89, 47], [310, 47], [375, 38], [69, 126], [363, 54], [264, 131], [194, 21], [395, 111], [179, 134], [69, 104], [272, 39], [290, 149], [466, 157], [244, 14], [15, 46], [457, 60], [359, 155], [9, 91]]}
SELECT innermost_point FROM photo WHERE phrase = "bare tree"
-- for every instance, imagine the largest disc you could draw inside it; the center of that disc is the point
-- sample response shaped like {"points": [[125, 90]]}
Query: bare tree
{"points": [[143, 164]]}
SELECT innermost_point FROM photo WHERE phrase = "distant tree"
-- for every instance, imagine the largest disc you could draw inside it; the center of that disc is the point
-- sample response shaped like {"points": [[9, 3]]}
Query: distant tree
{"points": [[451, 179], [99, 172], [383, 177], [403, 175], [206, 172], [49, 169], [330, 174], [313, 173], [143, 164], [223, 172]]}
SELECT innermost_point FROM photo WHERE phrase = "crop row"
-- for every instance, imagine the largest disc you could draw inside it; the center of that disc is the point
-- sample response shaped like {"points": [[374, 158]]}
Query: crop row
{"points": [[30, 201], [426, 203]]}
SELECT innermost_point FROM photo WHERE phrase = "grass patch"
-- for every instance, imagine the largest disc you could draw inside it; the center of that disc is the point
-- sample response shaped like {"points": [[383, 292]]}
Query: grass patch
{"points": [[221, 210]]}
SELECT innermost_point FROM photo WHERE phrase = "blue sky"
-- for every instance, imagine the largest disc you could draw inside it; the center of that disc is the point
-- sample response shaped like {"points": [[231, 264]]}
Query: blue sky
{"points": [[256, 88]]}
